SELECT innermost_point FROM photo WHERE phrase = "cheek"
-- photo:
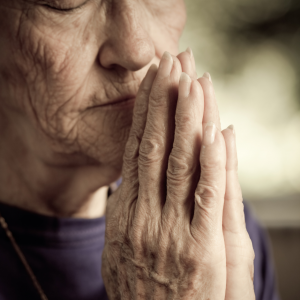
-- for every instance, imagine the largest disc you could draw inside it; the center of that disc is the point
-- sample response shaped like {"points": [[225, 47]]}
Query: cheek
{"points": [[60, 60], [45, 74], [50, 79], [51, 67]]}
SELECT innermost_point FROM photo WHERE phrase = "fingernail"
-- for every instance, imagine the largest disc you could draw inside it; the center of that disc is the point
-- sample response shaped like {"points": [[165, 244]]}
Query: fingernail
{"points": [[185, 77], [231, 127], [185, 85], [189, 50], [207, 75], [209, 133], [167, 56], [165, 65]]}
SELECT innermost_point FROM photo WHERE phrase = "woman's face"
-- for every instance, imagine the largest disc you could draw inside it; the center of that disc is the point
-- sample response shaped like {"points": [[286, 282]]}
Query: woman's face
{"points": [[63, 61]]}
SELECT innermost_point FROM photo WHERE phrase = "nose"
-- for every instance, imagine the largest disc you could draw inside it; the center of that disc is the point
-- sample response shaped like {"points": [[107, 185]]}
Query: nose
{"points": [[128, 44]]}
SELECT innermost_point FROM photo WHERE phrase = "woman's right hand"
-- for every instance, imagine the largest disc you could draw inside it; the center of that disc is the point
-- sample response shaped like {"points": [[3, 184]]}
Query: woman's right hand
{"points": [[164, 234]]}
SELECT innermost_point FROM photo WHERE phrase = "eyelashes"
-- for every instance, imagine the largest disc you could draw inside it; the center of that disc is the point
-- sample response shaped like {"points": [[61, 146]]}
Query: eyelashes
{"points": [[59, 8], [55, 6]]}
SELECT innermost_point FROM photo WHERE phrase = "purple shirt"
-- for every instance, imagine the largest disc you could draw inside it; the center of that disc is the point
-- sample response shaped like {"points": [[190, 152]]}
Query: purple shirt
{"points": [[65, 255]]}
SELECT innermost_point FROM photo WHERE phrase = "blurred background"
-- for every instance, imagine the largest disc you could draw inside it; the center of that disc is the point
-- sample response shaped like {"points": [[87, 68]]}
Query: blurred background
{"points": [[252, 50]]}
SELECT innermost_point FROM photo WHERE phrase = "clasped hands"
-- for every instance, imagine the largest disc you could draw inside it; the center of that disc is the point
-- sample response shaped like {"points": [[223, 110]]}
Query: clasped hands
{"points": [[175, 226]]}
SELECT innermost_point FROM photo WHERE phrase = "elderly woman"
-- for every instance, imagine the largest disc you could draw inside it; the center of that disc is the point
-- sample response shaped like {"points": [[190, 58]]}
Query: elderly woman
{"points": [[84, 104]]}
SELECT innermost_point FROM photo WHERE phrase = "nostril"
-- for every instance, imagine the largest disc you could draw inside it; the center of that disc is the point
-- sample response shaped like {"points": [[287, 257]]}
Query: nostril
{"points": [[131, 54]]}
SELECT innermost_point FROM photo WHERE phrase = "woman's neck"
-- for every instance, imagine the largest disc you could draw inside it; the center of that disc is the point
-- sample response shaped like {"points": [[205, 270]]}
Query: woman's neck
{"points": [[50, 194]]}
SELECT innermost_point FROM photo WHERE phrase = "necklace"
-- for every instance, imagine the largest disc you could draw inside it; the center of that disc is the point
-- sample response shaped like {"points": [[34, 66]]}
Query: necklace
{"points": [[22, 258]]}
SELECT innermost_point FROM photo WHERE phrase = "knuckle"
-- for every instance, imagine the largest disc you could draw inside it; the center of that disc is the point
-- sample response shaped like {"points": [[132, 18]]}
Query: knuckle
{"points": [[158, 96], [206, 194], [207, 191], [179, 166], [212, 162], [151, 150]]}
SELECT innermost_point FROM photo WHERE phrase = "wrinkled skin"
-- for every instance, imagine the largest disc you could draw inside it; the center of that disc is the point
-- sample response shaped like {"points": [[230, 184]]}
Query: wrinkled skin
{"points": [[56, 68], [169, 235]]}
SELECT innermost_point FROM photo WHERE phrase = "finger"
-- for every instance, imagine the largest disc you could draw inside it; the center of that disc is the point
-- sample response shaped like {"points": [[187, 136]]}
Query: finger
{"points": [[210, 191], [233, 220], [158, 135], [211, 112], [239, 250], [183, 165], [187, 61], [130, 159]]}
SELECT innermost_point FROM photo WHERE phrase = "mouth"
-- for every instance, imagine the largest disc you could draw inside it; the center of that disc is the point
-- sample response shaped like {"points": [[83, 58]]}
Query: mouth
{"points": [[122, 102]]}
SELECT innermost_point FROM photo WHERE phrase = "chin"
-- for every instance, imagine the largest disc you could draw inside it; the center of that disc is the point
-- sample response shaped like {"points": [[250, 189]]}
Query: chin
{"points": [[108, 147], [98, 138]]}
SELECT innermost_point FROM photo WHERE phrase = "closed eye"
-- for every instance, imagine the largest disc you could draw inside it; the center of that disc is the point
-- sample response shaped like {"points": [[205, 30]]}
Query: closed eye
{"points": [[57, 7]]}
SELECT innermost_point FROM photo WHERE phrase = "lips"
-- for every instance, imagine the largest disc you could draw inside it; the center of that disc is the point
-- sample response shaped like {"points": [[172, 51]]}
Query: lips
{"points": [[120, 101]]}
